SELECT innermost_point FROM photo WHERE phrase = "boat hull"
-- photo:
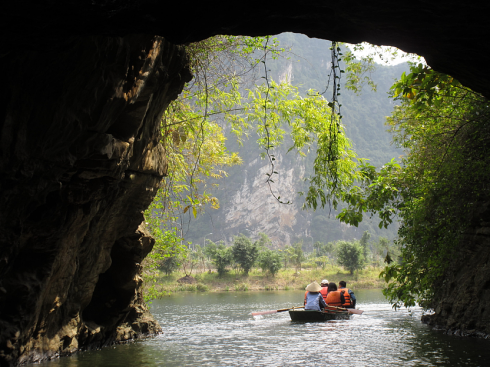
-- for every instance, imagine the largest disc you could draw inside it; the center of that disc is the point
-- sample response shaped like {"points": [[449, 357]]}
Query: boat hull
{"points": [[317, 316]]}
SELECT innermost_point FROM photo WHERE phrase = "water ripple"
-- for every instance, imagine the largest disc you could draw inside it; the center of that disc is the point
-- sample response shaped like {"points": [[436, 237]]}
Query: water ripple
{"points": [[218, 330]]}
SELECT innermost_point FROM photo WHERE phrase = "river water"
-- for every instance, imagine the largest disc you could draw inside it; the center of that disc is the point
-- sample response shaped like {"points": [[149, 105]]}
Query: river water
{"points": [[216, 329]]}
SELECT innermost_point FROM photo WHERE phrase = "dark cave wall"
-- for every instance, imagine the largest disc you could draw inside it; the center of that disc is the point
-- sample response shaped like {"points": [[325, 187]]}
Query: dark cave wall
{"points": [[462, 297], [451, 35], [80, 161]]}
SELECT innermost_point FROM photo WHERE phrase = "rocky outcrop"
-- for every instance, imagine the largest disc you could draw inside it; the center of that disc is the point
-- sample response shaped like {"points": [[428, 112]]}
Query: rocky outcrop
{"points": [[80, 161], [462, 298], [253, 206]]}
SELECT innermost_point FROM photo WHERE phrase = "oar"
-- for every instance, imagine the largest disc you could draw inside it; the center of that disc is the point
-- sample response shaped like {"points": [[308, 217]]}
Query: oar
{"points": [[275, 311], [350, 310]]}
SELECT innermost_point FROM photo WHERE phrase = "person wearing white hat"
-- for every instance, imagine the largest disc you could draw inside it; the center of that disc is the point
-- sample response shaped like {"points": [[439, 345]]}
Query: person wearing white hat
{"points": [[313, 298]]}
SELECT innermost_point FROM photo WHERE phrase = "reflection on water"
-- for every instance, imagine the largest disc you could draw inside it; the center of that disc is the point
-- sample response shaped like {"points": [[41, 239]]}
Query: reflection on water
{"points": [[217, 330]]}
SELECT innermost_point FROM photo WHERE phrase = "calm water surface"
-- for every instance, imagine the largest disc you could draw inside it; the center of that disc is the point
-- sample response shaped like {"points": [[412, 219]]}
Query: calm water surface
{"points": [[216, 329]]}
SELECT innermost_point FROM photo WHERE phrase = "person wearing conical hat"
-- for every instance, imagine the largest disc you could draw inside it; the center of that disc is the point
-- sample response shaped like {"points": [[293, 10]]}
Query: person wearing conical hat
{"points": [[313, 298]]}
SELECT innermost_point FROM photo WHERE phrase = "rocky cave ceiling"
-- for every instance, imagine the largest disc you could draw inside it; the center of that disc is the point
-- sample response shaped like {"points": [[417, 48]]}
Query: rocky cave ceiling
{"points": [[452, 36]]}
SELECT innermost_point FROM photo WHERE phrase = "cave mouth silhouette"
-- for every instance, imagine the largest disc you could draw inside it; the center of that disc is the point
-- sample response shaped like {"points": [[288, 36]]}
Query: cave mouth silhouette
{"points": [[451, 36], [84, 86]]}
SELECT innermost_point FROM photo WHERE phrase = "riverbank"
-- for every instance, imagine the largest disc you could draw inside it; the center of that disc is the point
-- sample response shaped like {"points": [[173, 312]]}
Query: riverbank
{"points": [[286, 279]]}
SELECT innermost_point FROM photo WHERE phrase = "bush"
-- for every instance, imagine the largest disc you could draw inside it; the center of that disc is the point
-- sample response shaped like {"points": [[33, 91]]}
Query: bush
{"points": [[241, 287], [222, 258], [244, 253], [202, 288], [270, 261]]}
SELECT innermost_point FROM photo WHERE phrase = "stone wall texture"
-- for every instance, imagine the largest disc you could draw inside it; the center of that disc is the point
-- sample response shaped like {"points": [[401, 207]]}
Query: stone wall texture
{"points": [[80, 161]]}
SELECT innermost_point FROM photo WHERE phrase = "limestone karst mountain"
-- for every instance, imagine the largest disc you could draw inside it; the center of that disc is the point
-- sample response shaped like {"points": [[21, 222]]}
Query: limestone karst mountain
{"points": [[247, 205]]}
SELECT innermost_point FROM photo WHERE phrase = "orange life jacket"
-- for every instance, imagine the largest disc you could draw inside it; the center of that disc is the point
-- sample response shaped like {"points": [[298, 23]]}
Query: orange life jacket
{"points": [[333, 299], [324, 292], [345, 292], [305, 298]]}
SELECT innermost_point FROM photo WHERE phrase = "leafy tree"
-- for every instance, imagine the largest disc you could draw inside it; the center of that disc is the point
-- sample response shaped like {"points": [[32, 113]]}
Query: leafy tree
{"points": [[210, 249], [296, 255], [264, 241], [349, 255], [270, 260], [323, 249], [168, 243], [245, 252], [444, 129], [222, 258], [364, 244], [169, 264], [189, 261]]}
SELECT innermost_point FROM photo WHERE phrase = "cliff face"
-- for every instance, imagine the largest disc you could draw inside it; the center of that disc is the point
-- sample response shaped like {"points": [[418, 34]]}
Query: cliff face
{"points": [[461, 302], [252, 205], [80, 161]]}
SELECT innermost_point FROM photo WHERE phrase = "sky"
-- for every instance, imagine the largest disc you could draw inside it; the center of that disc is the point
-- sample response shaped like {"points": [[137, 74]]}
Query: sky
{"points": [[386, 59]]}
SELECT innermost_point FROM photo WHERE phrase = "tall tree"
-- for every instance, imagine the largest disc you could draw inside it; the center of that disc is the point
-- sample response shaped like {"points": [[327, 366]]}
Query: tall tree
{"points": [[445, 130], [349, 255], [244, 252]]}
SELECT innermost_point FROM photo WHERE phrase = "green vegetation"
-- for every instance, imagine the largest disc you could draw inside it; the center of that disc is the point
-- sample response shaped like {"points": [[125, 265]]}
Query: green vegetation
{"points": [[270, 261], [436, 188], [194, 140], [248, 265], [350, 256], [363, 122], [257, 280], [244, 252]]}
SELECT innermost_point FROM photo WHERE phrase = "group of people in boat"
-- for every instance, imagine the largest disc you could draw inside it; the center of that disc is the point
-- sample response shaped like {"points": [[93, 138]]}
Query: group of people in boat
{"points": [[324, 295]]}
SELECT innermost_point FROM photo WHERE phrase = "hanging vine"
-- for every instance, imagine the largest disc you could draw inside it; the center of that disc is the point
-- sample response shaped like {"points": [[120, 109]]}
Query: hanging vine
{"points": [[268, 146]]}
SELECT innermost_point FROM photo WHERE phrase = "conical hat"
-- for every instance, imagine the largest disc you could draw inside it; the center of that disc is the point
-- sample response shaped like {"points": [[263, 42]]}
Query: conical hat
{"points": [[313, 287]]}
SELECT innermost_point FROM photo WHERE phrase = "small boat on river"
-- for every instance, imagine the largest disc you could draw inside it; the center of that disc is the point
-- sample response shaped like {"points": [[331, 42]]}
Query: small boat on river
{"points": [[316, 316]]}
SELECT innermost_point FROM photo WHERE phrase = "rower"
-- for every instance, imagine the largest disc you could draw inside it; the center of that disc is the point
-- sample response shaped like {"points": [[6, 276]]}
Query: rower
{"points": [[313, 299], [350, 298]]}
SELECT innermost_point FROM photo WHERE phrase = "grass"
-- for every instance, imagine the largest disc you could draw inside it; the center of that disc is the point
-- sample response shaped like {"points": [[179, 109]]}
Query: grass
{"points": [[286, 279]]}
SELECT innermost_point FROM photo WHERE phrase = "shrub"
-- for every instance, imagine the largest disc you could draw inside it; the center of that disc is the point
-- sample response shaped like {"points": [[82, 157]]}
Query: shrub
{"points": [[202, 288]]}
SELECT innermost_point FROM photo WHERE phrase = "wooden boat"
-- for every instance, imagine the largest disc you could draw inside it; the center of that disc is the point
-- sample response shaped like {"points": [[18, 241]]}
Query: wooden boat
{"points": [[316, 316]]}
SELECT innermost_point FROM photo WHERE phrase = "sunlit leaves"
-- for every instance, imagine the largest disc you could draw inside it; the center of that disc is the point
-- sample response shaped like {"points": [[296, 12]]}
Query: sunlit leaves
{"points": [[443, 128]]}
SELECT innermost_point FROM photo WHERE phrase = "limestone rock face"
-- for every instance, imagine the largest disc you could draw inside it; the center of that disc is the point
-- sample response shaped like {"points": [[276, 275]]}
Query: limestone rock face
{"points": [[461, 302], [80, 161]]}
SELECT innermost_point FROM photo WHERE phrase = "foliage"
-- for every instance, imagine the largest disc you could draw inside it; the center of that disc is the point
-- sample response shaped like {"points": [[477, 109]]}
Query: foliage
{"points": [[349, 255], [364, 244], [444, 129], [169, 264], [264, 241], [323, 249], [244, 252], [270, 260], [296, 255], [222, 258], [167, 244], [194, 140], [209, 249]]}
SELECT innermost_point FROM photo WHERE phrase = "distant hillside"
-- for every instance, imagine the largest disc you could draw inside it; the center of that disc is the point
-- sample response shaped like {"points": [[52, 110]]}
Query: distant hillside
{"points": [[246, 203]]}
